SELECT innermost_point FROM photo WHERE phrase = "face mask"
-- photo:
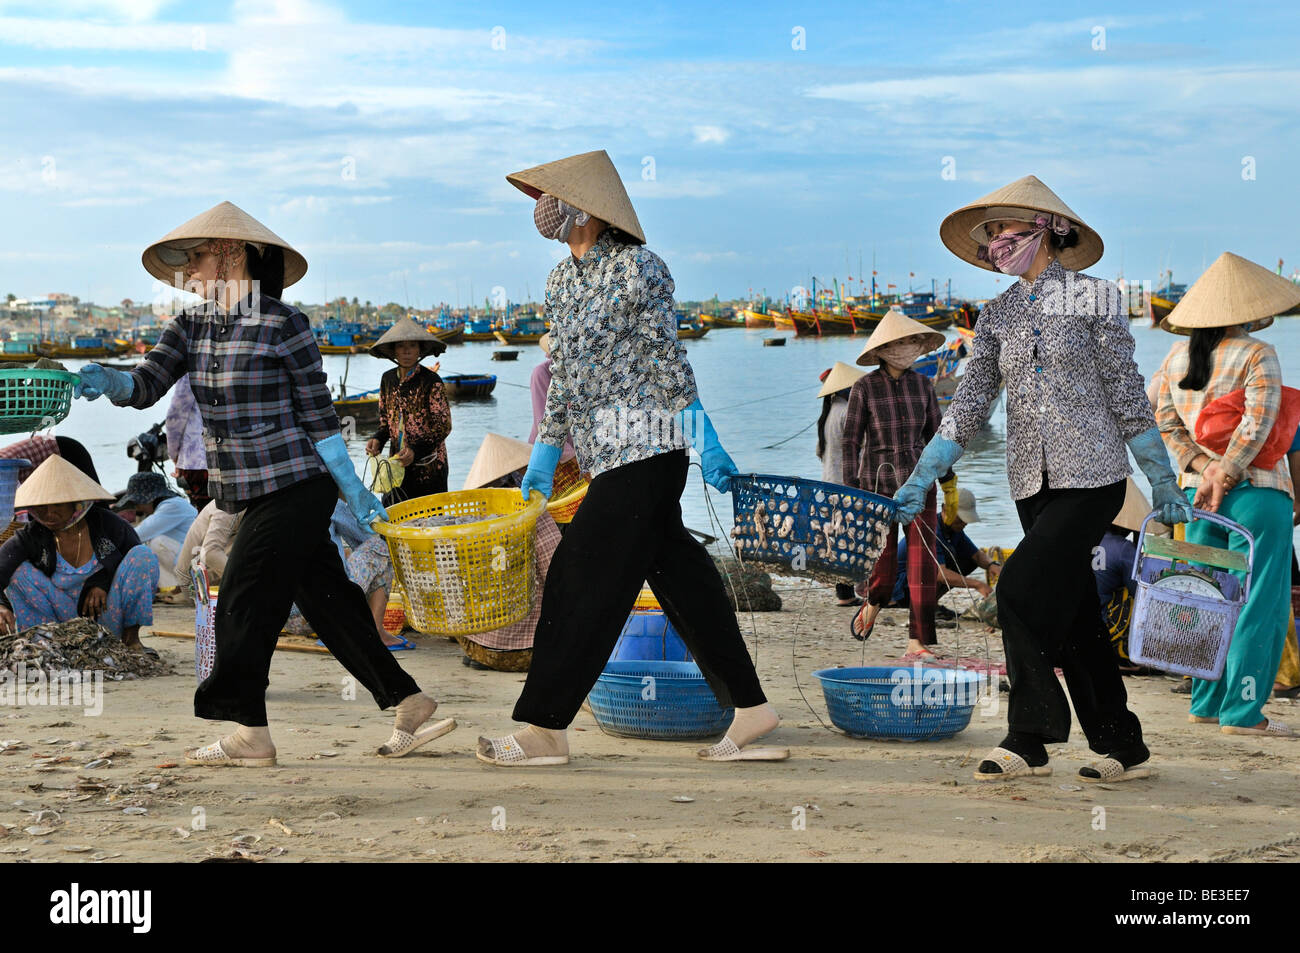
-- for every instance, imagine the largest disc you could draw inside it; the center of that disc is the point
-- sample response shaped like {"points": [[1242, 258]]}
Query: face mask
{"points": [[900, 355], [1013, 253], [555, 219]]}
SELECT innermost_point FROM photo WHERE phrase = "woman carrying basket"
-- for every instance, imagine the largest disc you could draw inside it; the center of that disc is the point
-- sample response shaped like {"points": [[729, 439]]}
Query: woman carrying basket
{"points": [[275, 453], [620, 386], [1243, 480], [1060, 343]]}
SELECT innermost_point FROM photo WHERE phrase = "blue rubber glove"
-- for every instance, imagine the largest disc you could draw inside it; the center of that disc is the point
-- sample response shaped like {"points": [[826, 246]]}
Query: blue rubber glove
{"points": [[365, 506], [540, 475], [95, 381], [718, 467], [1167, 499], [936, 459]]}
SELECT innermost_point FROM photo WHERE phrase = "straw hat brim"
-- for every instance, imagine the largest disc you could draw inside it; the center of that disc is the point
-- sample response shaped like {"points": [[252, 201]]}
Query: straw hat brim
{"points": [[58, 481], [1027, 194], [1233, 291], [222, 221], [895, 326], [497, 456], [1135, 509], [544, 342], [406, 329], [842, 377], [588, 182]]}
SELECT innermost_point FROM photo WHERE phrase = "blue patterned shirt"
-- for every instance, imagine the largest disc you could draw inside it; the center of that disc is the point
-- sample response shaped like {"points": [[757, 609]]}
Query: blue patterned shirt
{"points": [[619, 376], [1075, 397], [257, 379]]}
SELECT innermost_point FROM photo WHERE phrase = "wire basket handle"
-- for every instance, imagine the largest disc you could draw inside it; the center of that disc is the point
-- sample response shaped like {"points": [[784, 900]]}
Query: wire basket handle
{"points": [[1180, 551]]}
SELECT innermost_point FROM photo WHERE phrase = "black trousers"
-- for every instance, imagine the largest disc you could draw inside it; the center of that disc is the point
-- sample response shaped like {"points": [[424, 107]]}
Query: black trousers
{"points": [[418, 481], [1047, 606], [629, 531], [282, 554]]}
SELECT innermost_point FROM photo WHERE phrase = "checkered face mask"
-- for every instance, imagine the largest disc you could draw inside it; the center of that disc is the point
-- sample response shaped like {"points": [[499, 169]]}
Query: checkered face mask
{"points": [[555, 219]]}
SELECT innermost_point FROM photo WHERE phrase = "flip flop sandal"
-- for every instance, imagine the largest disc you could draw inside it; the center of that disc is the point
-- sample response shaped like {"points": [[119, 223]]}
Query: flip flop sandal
{"points": [[1109, 769], [1275, 729], [728, 750], [1202, 720], [508, 753], [404, 645], [1013, 766], [403, 743], [215, 756], [853, 625]]}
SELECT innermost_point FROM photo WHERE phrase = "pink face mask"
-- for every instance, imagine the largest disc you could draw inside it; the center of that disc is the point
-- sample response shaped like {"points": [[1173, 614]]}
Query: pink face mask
{"points": [[1013, 253]]}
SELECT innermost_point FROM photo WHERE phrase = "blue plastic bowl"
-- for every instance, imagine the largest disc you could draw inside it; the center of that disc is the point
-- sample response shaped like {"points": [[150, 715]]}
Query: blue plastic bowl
{"points": [[657, 700], [648, 635], [900, 703]]}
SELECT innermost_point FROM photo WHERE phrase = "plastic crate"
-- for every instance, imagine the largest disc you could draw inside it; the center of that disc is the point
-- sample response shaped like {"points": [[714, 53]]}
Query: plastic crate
{"points": [[803, 527], [900, 703]]}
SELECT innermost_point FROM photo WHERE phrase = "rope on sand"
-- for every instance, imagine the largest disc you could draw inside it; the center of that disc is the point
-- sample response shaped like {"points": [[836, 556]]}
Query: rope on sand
{"points": [[1231, 855]]}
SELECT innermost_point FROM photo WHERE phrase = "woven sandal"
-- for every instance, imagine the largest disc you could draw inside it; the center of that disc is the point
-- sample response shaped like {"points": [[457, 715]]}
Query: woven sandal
{"points": [[508, 753], [403, 743], [1110, 769], [1202, 719], [728, 750], [1274, 729], [1013, 766], [214, 756]]}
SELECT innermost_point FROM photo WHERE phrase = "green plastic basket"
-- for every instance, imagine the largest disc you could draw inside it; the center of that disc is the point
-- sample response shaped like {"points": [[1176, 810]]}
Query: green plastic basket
{"points": [[32, 399]]}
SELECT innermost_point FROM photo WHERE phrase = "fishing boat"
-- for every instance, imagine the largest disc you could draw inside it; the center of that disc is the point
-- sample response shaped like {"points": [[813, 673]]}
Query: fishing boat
{"points": [[449, 335], [688, 333], [468, 386], [521, 331], [76, 348], [479, 329], [718, 321], [756, 319], [828, 323], [363, 408], [18, 351], [1164, 299]]}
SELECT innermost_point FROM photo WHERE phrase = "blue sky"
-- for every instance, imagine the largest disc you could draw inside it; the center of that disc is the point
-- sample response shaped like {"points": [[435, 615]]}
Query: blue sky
{"points": [[376, 137]]}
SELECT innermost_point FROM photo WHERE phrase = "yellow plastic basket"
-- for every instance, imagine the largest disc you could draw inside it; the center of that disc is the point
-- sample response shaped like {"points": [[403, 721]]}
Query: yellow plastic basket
{"points": [[568, 491], [470, 577]]}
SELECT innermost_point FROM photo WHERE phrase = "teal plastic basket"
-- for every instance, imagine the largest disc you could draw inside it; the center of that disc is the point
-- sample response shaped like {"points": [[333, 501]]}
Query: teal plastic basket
{"points": [[32, 399]]}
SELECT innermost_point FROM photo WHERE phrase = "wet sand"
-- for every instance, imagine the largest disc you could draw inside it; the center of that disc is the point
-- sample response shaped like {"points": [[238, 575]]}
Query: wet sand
{"points": [[836, 799]]}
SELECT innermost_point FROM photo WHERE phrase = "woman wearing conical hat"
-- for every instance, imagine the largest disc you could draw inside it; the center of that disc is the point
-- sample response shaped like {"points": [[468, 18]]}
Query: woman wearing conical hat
{"points": [[75, 559], [621, 387], [892, 412], [834, 394], [413, 411], [1220, 356], [275, 454], [1059, 342]]}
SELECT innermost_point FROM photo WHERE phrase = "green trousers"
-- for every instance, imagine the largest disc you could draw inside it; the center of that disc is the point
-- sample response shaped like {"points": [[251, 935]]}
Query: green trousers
{"points": [[1238, 697]]}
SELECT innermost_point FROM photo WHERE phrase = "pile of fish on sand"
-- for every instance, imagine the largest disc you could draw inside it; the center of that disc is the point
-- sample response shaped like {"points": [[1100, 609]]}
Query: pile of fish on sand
{"points": [[79, 645]]}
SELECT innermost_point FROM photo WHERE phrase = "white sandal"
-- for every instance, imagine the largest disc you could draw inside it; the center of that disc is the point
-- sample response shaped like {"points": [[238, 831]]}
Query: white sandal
{"points": [[1013, 766], [403, 743], [215, 756], [508, 753], [728, 750], [1111, 769], [1275, 729]]}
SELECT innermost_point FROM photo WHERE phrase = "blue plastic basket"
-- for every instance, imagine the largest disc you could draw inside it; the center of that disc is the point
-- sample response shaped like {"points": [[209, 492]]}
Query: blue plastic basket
{"points": [[900, 703], [803, 527], [657, 700], [648, 634], [9, 470]]}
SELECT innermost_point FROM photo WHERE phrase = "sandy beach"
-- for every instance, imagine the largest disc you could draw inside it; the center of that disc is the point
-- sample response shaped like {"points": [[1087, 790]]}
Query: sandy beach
{"points": [[837, 799]]}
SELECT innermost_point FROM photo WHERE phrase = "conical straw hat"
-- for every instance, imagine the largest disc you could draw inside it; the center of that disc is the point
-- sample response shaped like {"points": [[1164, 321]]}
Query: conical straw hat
{"points": [[220, 221], [497, 456], [405, 329], [1232, 291], [895, 326], [58, 481], [1023, 195], [544, 342], [588, 182], [841, 377], [1135, 510]]}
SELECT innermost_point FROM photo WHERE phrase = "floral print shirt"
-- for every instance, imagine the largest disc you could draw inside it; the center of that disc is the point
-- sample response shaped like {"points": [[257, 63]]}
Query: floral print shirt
{"points": [[415, 411], [619, 376], [1075, 397]]}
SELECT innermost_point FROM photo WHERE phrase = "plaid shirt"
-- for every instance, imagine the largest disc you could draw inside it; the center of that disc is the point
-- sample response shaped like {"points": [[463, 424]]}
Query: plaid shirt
{"points": [[1240, 362], [35, 450], [888, 424], [257, 378], [519, 635]]}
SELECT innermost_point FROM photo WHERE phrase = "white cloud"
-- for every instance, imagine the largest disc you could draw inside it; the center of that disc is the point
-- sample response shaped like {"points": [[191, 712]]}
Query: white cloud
{"points": [[716, 134]]}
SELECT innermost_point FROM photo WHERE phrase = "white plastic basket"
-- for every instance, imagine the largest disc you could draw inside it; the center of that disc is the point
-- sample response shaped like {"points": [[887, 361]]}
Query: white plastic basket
{"points": [[1183, 632]]}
